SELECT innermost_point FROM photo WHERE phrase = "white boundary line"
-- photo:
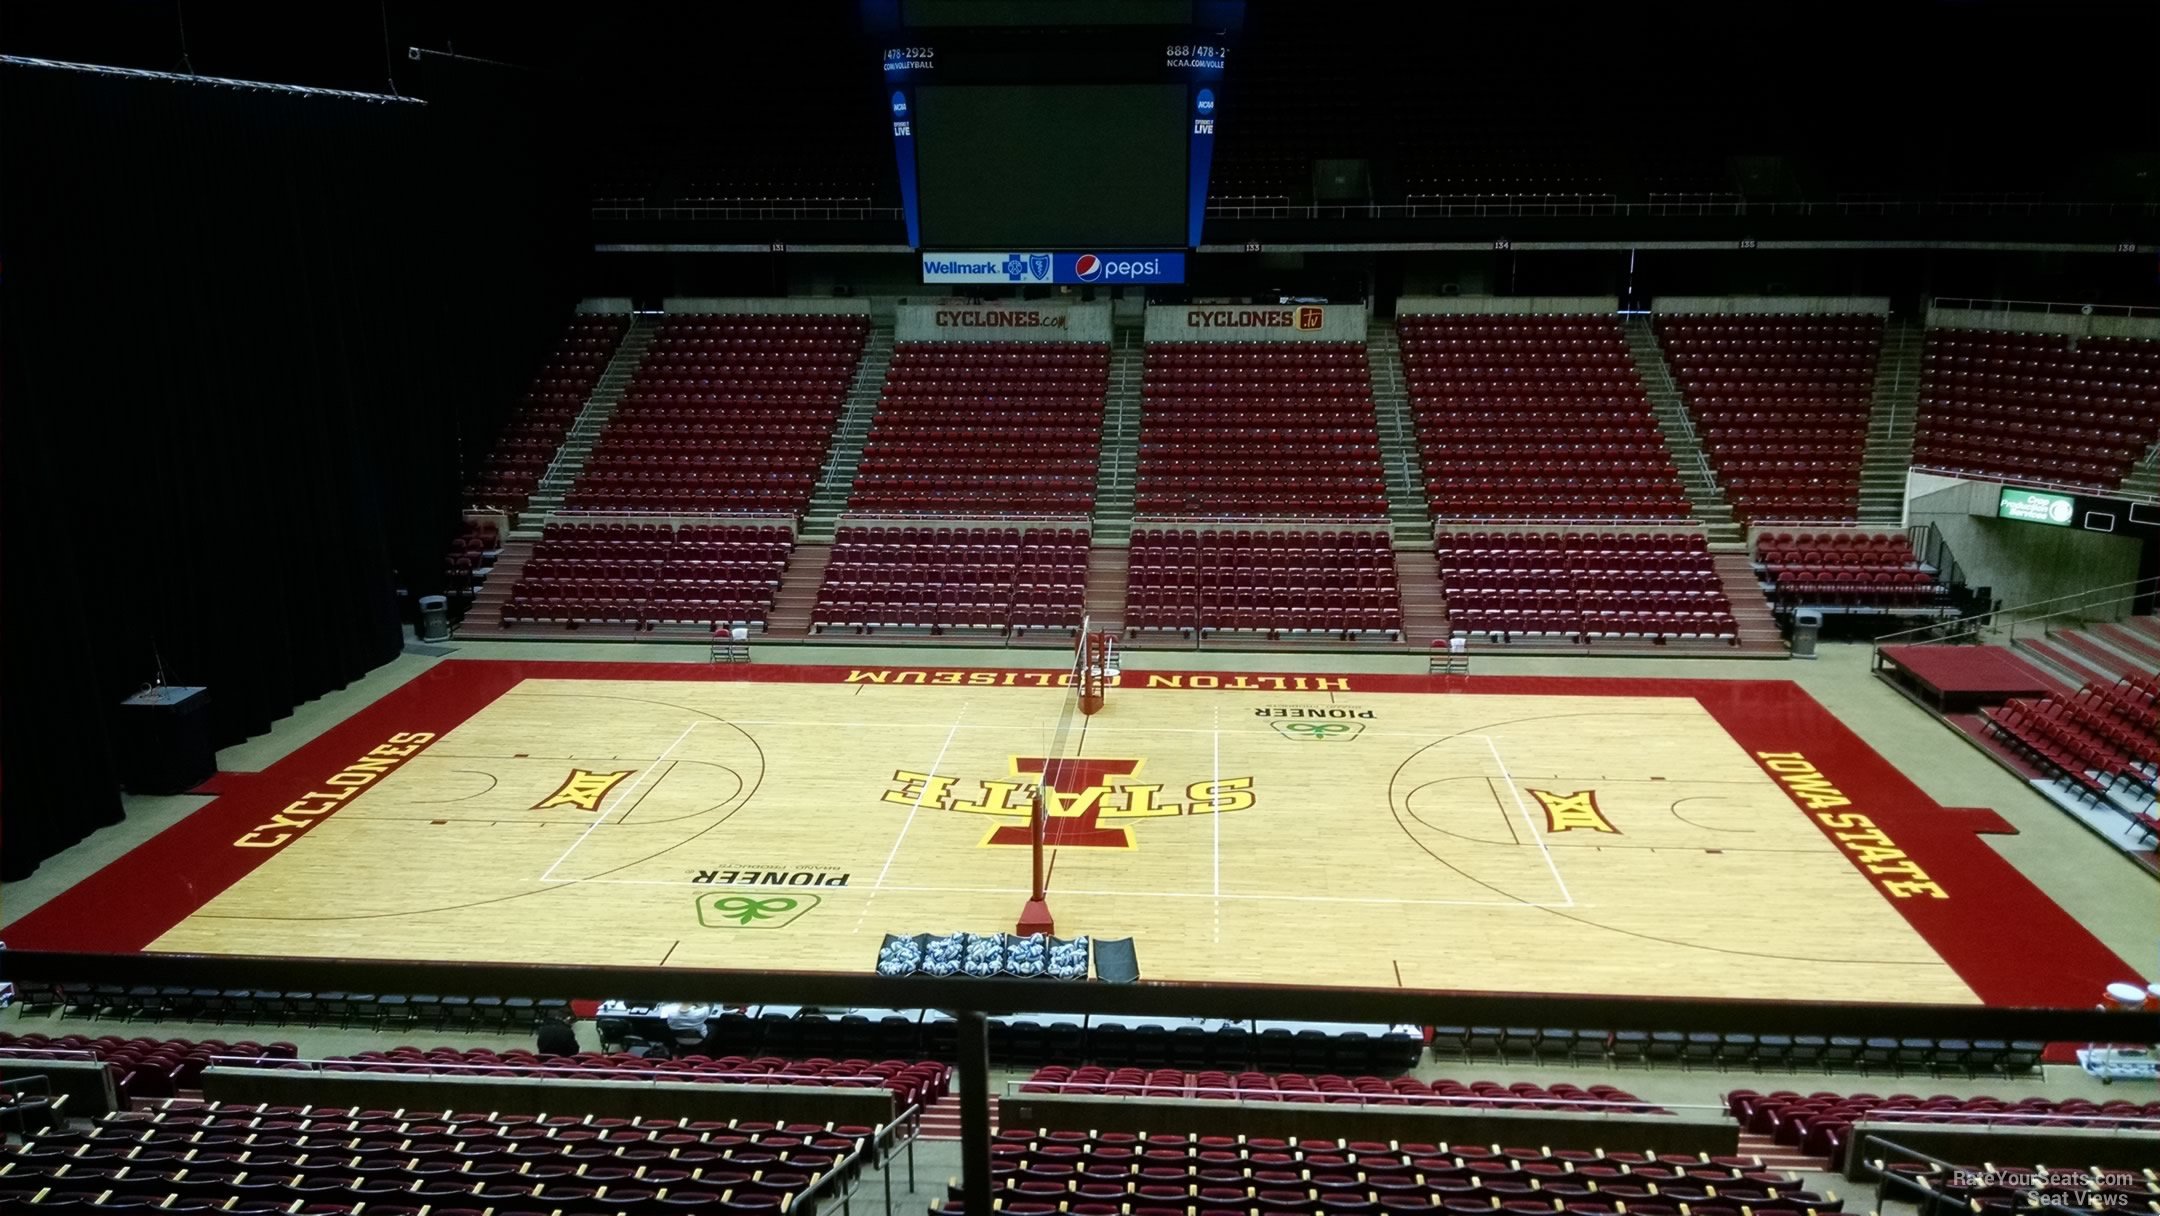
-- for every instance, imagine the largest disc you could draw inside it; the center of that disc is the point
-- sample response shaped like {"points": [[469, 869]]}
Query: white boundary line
{"points": [[617, 801], [1516, 792], [1218, 817], [901, 839], [1308, 899]]}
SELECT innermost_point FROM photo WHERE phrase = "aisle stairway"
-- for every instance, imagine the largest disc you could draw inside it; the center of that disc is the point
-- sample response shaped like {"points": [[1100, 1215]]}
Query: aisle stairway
{"points": [[484, 617], [798, 592], [1890, 424], [1705, 497], [577, 447], [1119, 464], [837, 480], [1423, 610], [1759, 632], [1408, 509], [1106, 581]]}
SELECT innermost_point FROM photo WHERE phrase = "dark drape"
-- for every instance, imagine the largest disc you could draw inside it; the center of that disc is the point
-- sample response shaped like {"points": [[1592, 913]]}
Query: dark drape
{"points": [[252, 341]]}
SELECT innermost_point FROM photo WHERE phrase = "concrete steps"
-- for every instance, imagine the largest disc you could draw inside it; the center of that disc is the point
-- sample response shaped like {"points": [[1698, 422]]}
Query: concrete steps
{"points": [[797, 594], [2051, 656], [1108, 574], [1424, 608], [1759, 633], [1890, 424], [484, 617], [577, 446], [1117, 468], [837, 479], [1781, 1156], [2144, 479], [1409, 512], [1706, 498]]}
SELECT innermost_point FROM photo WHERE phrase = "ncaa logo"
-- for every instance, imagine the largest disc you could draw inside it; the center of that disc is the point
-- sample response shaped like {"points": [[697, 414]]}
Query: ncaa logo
{"points": [[899, 105], [1205, 102], [1087, 268]]}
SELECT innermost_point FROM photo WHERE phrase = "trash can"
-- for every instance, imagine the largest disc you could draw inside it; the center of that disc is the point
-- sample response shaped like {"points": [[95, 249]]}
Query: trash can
{"points": [[1806, 629], [434, 618]]}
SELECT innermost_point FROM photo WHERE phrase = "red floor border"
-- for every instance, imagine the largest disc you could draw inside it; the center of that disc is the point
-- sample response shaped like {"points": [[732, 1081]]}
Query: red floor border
{"points": [[2001, 934]]}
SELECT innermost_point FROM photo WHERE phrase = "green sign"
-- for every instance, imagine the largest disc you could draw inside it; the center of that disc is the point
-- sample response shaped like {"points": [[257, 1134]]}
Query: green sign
{"points": [[719, 910], [2036, 507], [1318, 732]]}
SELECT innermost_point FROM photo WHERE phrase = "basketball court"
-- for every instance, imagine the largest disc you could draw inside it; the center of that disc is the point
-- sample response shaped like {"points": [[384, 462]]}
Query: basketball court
{"points": [[1641, 837]]}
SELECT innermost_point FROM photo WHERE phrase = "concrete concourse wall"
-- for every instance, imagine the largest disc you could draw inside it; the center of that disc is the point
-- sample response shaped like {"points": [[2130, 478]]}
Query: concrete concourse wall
{"points": [[2068, 324], [2022, 563], [767, 306], [1007, 321], [1256, 323], [1509, 306], [1744, 306]]}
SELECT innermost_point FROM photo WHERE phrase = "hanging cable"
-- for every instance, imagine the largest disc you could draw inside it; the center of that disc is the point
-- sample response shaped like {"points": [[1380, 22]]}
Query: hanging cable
{"points": [[389, 73], [187, 63]]}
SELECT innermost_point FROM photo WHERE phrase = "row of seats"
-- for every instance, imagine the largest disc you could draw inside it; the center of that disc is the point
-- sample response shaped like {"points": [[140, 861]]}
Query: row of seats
{"points": [[920, 1081], [1817, 372], [1846, 570], [983, 580], [1337, 583], [472, 549], [1579, 587], [1259, 429], [2042, 386], [1331, 1088], [1817, 1123], [1041, 1173], [2097, 739], [643, 575], [142, 1067], [328, 1161], [1474, 382], [762, 394], [981, 428], [540, 422]]}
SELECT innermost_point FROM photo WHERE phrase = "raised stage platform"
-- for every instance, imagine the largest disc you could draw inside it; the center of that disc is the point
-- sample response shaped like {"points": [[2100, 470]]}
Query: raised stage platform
{"points": [[1958, 679]]}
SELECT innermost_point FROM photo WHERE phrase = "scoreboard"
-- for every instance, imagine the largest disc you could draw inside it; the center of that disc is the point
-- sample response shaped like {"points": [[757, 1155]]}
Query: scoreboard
{"points": [[1030, 131]]}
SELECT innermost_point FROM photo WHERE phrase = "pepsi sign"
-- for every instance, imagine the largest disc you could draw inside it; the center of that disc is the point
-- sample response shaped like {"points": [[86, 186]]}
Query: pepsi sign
{"points": [[1102, 269], [1124, 268]]}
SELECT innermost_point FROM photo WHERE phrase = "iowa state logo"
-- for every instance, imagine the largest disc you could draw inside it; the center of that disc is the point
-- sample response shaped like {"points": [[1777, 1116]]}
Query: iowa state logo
{"points": [[1089, 799]]}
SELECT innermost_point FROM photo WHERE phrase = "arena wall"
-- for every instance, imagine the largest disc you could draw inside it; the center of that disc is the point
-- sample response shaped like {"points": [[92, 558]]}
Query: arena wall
{"points": [[2022, 562]]}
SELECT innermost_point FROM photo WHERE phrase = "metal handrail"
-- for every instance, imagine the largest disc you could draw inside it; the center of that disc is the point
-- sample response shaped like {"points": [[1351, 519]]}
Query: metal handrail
{"points": [[1607, 524], [602, 515], [1589, 1106], [1869, 1159], [1975, 304], [1838, 207], [1986, 622], [2037, 483]]}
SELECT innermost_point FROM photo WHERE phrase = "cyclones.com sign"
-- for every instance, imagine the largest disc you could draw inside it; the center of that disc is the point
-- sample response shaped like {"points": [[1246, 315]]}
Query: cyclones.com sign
{"points": [[999, 318]]}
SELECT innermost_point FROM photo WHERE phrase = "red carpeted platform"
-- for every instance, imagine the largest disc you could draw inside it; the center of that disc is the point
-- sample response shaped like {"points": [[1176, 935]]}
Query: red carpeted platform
{"points": [[1954, 678]]}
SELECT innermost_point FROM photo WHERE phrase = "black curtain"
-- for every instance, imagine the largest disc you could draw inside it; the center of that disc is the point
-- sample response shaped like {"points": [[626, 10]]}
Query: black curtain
{"points": [[253, 341]]}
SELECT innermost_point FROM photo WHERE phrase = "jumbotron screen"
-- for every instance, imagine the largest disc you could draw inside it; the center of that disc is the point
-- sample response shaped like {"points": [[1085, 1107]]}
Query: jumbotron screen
{"points": [[1052, 166]]}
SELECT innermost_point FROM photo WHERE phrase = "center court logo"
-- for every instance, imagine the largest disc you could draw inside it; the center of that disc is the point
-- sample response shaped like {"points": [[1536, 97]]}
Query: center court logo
{"points": [[1089, 800]]}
